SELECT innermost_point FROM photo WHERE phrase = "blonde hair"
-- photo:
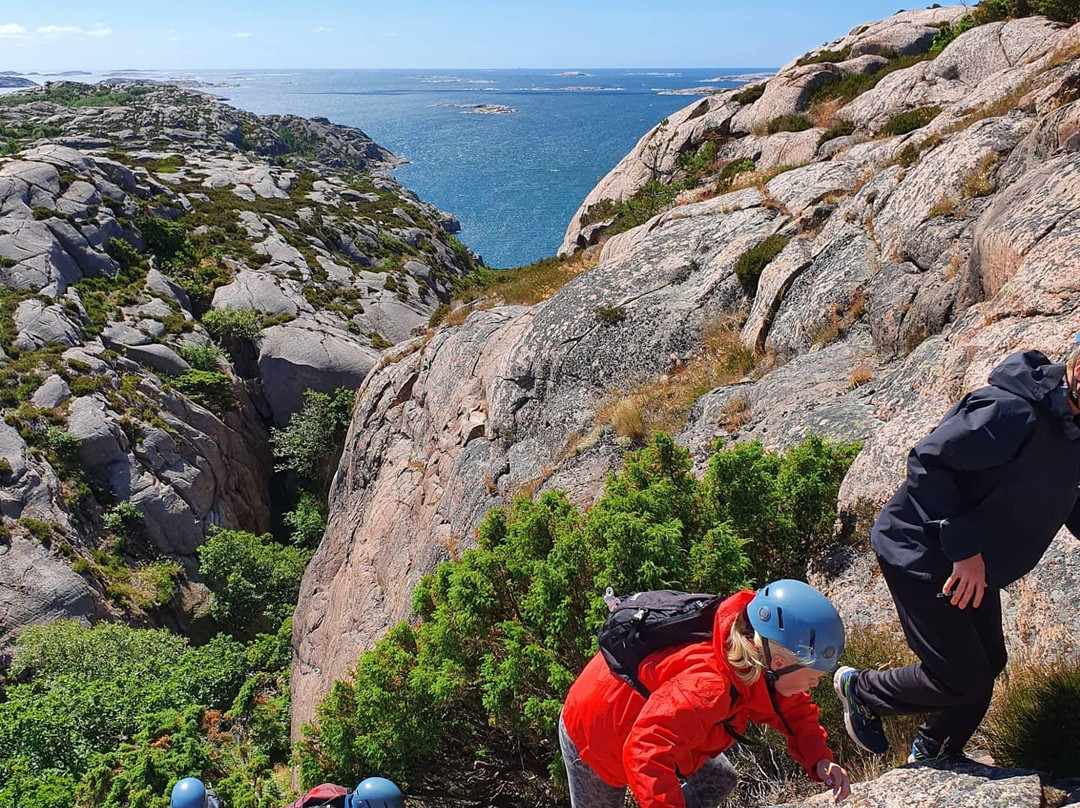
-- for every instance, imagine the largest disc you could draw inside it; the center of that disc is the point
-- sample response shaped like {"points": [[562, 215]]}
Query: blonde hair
{"points": [[745, 653], [747, 656]]}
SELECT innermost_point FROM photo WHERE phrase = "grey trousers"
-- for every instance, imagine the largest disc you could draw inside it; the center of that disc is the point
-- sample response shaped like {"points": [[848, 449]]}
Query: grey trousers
{"points": [[706, 788]]}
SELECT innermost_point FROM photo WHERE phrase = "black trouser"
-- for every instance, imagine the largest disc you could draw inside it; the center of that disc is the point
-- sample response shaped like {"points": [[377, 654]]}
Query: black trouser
{"points": [[961, 652]]}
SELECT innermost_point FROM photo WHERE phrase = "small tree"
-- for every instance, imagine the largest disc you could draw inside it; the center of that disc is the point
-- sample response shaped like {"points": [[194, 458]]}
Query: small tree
{"points": [[255, 581], [309, 445]]}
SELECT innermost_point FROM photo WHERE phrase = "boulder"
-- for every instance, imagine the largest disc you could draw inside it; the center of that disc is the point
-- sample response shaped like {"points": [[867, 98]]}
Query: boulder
{"points": [[297, 356], [970, 785], [253, 290], [986, 49], [158, 357], [786, 94], [40, 323], [160, 285], [1032, 221], [37, 586], [53, 392]]}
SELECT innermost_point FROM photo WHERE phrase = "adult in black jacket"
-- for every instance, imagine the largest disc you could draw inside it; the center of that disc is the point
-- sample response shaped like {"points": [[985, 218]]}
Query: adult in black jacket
{"points": [[986, 491]]}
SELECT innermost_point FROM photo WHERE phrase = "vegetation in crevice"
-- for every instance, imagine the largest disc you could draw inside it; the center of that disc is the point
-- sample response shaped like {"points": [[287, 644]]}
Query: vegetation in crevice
{"points": [[662, 404], [749, 265]]}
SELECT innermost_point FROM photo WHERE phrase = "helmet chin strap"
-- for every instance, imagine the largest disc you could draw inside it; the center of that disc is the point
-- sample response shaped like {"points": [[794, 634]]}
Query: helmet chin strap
{"points": [[771, 676]]}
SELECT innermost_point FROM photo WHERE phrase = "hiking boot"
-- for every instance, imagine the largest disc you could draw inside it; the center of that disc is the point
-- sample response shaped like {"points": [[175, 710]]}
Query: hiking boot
{"points": [[862, 723], [924, 750]]}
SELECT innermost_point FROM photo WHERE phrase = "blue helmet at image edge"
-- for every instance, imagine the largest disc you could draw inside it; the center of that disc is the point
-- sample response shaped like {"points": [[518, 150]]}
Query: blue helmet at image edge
{"points": [[797, 616], [376, 792], [188, 793]]}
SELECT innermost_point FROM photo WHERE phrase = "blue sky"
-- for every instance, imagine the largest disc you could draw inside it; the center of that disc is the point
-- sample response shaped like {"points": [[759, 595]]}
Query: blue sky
{"points": [[110, 34]]}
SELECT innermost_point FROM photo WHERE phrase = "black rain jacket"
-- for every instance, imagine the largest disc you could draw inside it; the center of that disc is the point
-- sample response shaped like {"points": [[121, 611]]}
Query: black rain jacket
{"points": [[999, 475]]}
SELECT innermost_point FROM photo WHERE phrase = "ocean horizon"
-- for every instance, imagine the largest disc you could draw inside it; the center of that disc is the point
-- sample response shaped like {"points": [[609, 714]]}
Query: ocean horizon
{"points": [[511, 153]]}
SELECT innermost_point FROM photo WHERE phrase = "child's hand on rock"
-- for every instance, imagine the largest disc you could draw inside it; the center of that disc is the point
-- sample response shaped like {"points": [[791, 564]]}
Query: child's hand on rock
{"points": [[835, 776]]}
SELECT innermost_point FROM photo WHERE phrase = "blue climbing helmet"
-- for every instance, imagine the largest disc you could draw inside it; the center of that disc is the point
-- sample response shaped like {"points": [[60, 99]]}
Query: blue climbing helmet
{"points": [[188, 793], [795, 615], [376, 792]]}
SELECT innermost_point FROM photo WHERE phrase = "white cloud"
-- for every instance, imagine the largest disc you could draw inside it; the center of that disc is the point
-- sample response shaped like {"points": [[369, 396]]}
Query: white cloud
{"points": [[175, 38], [11, 29], [389, 34], [99, 32], [241, 35], [322, 29], [57, 30]]}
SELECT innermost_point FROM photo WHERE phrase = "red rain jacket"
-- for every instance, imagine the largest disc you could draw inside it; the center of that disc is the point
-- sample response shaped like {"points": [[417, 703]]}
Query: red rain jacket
{"points": [[649, 744]]}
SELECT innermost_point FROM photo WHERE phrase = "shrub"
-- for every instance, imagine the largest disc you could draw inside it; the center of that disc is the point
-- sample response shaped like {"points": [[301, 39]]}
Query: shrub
{"points": [[1066, 11], [502, 632], [208, 388], [253, 579], [63, 444], [854, 85], [124, 520], [750, 94], [610, 315], [202, 357], [87, 384], [438, 315], [840, 129], [697, 163], [42, 531], [310, 443], [826, 56], [995, 10], [307, 520], [947, 33], [789, 123], [783, 505], [904, 122], [749, 265], [117, 714], [649, 200], [124, 254], [1032, 723], [234, 323], [167, 240], [730, 171], [378, 342]]}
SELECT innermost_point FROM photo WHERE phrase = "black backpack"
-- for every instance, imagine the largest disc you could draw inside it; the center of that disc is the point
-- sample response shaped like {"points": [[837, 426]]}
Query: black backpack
{"points": [[648, 621], [645, 622]]}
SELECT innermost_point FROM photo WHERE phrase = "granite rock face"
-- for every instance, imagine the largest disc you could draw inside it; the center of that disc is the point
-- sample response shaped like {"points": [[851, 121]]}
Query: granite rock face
{"points": [[912, 265], [290, 224], [972, 784]]}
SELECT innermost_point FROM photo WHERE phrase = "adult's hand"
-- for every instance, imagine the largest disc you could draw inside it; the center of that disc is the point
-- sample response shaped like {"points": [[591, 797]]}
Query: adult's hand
{"points": [[836, 776], [968, 580]]}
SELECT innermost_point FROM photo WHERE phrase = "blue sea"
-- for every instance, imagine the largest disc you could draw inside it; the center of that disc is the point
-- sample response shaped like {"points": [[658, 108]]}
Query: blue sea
{"points": [[513, 180]]}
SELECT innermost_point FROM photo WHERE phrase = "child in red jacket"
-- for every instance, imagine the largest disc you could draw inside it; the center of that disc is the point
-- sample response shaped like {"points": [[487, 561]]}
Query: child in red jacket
{"points": [[768, 650]]}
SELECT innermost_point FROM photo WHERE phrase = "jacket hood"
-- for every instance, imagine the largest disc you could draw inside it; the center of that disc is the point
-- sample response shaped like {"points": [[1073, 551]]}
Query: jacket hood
{"points": [[1029, 375], [726, 614]]}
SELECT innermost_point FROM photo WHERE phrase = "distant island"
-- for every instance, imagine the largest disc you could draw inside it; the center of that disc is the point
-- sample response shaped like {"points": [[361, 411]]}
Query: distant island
{"points": [[480, 109], [690, 91], [8, 80]]}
